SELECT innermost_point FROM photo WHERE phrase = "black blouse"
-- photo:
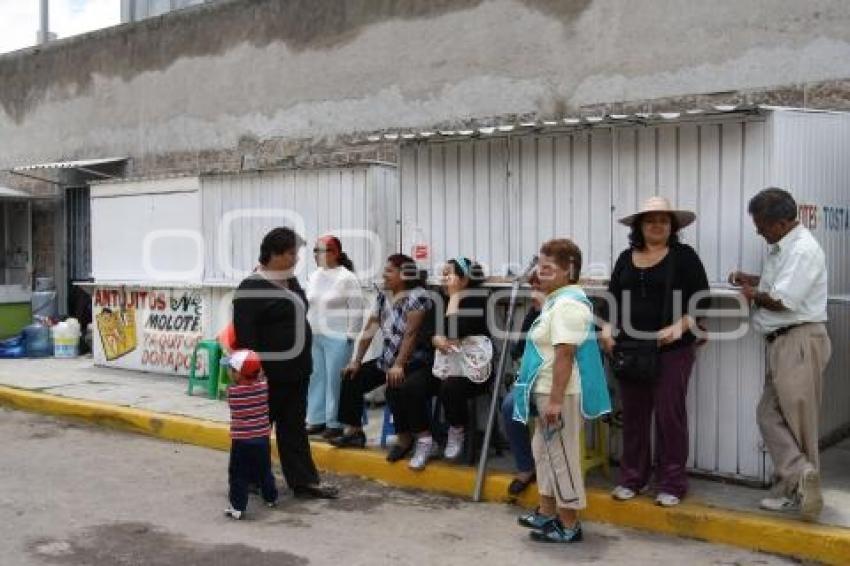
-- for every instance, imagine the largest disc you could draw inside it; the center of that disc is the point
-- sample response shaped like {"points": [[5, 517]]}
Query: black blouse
{"points": [[639, 293], [470, 320], [273, 322]]}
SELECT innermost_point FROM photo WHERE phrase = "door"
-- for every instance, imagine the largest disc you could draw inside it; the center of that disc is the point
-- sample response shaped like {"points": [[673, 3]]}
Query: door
{"points": [[78, 251]]}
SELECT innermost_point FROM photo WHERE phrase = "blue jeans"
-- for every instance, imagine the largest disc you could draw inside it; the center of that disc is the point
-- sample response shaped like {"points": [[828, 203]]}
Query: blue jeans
{"points": [[330, 355], [519, 437]]}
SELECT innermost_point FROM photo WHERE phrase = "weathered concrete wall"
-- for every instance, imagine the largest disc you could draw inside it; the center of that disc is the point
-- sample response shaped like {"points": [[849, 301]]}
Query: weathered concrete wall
{"points": [[227, 80]]}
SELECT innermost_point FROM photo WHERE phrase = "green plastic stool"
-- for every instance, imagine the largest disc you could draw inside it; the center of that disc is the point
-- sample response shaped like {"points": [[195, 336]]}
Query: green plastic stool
{"points": [[223, 381], [209, 380]]}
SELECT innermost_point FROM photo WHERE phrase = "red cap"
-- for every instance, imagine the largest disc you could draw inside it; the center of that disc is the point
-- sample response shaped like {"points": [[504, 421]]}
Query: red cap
{"points": [[246, 363]]}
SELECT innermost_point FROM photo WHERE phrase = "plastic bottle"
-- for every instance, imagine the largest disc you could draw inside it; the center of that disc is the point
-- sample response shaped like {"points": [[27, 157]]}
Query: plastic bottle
{"points": [[37, 340]]}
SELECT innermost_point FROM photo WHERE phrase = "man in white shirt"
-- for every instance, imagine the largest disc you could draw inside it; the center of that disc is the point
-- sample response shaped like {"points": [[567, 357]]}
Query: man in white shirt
{"points": [[788, 302]]}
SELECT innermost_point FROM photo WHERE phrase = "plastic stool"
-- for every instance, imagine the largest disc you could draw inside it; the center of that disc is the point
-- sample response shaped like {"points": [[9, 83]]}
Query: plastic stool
{"points": [[596, 455], [223, 382], [210, 378], [387, 428]]}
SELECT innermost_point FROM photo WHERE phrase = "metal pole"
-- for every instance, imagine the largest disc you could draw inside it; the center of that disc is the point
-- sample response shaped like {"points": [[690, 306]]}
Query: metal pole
{"points": [[44, 34], [497, 386]]}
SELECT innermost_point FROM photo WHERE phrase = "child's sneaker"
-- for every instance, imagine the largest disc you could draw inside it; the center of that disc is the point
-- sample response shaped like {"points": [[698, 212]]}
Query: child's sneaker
{"points": [[234, 514]]}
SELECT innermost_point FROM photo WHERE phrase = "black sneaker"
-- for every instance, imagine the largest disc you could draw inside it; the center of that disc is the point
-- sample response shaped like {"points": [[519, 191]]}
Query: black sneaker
{"points": [[398, 451], [315, 429], [320, 491], [331, 433], [352, 440]]}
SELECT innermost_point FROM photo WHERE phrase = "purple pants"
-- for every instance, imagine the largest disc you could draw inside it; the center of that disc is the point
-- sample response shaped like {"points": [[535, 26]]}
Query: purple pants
{"points": [[667, 398]]}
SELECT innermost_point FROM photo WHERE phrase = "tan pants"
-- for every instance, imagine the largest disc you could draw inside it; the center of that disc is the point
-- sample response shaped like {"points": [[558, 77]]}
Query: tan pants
{"points": [[788, 411], [557, 457]]}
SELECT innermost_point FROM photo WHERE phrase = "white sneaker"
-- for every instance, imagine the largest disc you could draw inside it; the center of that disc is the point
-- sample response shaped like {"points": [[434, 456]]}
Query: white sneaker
{"points": [[622, 493], [424, 451], [779, 504], [454, 443], [232, 513], [667, 500], [811, 500]]}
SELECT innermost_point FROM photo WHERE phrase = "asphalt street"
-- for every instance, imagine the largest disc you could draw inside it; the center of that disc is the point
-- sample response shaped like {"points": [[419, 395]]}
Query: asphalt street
{"points": [[75, 495]]}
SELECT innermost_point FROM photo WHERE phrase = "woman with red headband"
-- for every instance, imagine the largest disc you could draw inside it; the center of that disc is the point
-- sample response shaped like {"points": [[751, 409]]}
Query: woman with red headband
{"points": [[335, 314]]}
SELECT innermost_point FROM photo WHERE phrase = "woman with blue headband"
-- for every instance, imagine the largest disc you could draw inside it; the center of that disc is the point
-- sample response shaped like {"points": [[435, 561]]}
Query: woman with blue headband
{"points": [[463, 356]]}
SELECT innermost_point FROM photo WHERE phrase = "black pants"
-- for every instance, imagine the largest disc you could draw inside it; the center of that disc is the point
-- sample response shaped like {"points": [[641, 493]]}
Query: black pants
{"points": [[455, 393], [288, 412], [409, 402], [250, 463]]}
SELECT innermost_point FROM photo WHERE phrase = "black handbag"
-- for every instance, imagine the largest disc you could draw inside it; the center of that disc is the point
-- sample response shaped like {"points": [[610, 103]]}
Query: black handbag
{"points": [[639, 361], [635, 360]]}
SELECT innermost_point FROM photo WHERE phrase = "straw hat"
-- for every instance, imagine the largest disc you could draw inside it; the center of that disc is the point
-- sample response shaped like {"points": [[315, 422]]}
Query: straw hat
{"points": [[660, 204]]}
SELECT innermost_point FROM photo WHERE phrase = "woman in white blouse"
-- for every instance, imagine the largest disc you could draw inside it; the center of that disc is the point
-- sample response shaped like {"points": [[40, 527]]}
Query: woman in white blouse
{"points": [[335, 315]]}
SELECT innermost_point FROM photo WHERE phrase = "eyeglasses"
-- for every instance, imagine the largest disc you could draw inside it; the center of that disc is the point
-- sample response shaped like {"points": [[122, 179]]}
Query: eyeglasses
{"points": [[320, 251]]}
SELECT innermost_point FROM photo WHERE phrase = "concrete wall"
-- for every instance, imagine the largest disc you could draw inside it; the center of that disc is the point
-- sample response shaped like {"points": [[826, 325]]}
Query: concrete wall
{"points": [[276, 79]]}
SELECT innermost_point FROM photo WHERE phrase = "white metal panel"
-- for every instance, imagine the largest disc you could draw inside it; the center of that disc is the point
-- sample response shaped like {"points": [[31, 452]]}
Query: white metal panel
{"points": [[810, 159], [120, 224], [563, 189], [752, 460], [454, 200], [356, 204], [836, 385]]}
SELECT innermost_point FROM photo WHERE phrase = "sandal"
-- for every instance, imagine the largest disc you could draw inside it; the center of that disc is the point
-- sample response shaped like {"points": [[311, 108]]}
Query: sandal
{"points": [[518, 486]]}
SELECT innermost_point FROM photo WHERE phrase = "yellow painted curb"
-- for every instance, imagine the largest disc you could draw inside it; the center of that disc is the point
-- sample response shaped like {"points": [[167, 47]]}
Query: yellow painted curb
{"points": [[751, 531]]}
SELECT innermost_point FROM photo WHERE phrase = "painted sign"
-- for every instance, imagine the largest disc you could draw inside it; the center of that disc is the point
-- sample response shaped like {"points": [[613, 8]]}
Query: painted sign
{"points": [[831, 218], [152, 330]]}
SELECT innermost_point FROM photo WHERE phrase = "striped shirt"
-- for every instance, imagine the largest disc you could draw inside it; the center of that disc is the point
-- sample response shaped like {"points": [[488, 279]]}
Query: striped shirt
{"points": [[249, 410]]}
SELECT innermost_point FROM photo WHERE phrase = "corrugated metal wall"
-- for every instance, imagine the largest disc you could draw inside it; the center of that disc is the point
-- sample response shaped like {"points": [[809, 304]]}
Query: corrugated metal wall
{"points": [[338, 201], [811, 158], [835, 405], [454, 196], [712, 168], [498, 199]]}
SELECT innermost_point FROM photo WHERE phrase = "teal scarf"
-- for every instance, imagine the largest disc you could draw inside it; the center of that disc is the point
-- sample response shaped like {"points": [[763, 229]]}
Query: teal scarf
{"points": [[595, 400]]}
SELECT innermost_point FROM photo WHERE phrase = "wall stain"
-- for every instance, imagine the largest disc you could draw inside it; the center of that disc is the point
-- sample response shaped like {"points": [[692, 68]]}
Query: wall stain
{"points": [[67, 68]]}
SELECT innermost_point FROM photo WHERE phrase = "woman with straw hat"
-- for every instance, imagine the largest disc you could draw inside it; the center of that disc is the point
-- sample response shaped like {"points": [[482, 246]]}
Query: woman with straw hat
{"points": [[656, 284]]}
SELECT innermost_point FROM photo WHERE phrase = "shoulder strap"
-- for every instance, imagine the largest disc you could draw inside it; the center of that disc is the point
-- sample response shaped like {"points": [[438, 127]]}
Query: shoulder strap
{"points": [[567, 292], [666, 310]]}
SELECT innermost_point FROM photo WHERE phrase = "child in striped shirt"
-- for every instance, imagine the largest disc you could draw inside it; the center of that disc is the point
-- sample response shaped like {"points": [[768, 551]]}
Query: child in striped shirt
{"points": [[250, 450]]}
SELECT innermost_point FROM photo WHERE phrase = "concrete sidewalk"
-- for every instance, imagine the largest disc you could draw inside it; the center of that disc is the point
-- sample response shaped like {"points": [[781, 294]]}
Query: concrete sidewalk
{"points": [[158, 405]]}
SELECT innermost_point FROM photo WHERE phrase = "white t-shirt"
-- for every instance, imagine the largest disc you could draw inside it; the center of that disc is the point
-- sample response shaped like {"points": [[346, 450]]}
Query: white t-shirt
{"points": [[565, 322], [336, 302], [794, 272]]}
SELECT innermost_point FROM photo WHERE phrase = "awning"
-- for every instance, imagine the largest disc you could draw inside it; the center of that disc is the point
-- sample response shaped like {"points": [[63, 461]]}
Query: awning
{"points": [[8, 193], [102, 168]]}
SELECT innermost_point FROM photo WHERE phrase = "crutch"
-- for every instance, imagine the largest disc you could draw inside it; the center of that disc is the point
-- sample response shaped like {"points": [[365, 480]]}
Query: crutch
{"points": [[497, 380]]}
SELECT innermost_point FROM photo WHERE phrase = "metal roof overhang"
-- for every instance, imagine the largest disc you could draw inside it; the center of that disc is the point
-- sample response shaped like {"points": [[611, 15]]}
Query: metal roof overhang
{"points": [[92, 168], [7, 193]]}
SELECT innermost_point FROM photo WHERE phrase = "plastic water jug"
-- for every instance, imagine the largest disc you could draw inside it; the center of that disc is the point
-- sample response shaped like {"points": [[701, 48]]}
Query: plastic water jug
{"points": [[66, 338], [37, 340]]}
